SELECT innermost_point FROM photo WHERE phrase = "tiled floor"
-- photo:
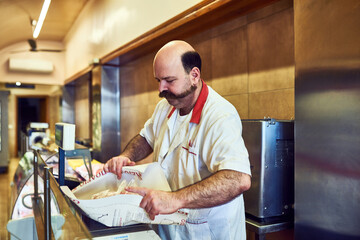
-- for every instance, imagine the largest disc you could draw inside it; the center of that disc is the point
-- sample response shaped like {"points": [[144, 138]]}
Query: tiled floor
{"points": [[5, 179]]}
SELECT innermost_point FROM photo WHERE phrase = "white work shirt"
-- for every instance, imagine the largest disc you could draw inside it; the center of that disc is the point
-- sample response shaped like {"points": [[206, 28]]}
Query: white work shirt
{"points": [[208, 140]]}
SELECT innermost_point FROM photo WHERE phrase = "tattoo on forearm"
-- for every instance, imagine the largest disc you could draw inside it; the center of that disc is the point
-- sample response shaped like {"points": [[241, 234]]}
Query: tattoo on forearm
{"points": [[137, 148]]}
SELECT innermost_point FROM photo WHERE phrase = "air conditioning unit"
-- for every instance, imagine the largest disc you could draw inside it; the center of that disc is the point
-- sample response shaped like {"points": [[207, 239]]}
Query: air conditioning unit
{"points": [[31, 65]]}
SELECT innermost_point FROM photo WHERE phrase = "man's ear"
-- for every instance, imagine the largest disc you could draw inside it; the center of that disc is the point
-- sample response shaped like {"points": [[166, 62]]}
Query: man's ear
{"points": [[195, 74]]}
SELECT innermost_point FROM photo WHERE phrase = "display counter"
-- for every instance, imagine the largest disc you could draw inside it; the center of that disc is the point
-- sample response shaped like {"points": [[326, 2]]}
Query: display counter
{"points": [[39, 210]]}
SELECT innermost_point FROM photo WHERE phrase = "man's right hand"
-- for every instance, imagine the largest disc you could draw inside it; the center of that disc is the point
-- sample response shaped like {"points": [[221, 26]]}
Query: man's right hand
{"points": [[115, 164]]}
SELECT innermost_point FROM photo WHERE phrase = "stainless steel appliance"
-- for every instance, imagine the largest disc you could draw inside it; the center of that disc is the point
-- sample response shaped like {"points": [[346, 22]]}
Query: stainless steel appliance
{"points": [[270, 144]]}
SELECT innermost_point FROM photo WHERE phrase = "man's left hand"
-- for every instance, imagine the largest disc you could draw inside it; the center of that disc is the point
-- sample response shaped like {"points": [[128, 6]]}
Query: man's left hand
{"points": [[156, 202]]}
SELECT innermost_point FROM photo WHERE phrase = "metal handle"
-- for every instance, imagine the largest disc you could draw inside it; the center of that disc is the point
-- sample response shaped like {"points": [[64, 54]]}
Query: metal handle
{"points": [[47, 203], [36, 189], [61, 167]]}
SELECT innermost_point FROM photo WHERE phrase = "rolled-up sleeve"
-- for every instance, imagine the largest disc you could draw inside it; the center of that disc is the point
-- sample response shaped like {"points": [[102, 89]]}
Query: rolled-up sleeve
{"points": [[225, 145], [147, 132]]}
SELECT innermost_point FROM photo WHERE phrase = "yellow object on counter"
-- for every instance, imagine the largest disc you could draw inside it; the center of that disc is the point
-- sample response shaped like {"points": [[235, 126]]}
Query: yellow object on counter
{"points": [[78, 162]]}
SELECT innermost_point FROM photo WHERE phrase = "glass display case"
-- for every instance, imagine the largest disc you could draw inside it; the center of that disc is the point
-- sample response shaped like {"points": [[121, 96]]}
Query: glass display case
{"points": [[33, 195], [39, 210]]}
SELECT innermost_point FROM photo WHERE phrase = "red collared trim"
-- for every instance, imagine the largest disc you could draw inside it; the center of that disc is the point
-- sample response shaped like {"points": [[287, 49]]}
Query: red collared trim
{"points": [[199, 105], [171, 112]]}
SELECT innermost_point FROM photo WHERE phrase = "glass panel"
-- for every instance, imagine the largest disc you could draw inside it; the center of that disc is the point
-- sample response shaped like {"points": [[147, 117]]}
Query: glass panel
{"points": [[67, 224], [22, 188], [23, 206]]}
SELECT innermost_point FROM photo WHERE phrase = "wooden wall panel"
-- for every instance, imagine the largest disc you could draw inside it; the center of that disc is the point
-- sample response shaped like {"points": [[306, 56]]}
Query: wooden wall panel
{"points": [[131, 122], [82, 109], [53, 112], [277, 104], [148, 76], [139, 96], [271, 52], [229, 62], [132, 90], [241, 103]]}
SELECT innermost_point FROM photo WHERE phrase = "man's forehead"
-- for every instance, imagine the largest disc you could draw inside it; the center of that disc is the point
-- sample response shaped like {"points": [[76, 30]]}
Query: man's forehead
{"points": [[165, 57], [167, 63]]}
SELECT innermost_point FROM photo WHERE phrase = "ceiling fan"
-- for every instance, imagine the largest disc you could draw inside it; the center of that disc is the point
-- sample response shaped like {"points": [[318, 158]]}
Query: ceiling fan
{"points": [[33, 48]]}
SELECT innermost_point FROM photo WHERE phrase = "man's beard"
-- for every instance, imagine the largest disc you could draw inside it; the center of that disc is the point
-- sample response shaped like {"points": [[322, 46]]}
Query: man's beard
{"points": [[169, 95]]}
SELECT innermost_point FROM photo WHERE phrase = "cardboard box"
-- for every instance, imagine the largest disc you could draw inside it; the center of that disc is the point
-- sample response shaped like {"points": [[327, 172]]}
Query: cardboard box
{"points": [[123, 209]]}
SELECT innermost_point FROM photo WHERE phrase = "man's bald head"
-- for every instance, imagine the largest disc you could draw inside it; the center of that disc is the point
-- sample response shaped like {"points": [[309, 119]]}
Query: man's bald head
{"points": [[176, 47], [179, 50]]}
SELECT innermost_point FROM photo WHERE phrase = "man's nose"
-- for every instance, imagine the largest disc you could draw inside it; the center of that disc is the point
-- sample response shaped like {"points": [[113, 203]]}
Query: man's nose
{"points": [[162, 86]]}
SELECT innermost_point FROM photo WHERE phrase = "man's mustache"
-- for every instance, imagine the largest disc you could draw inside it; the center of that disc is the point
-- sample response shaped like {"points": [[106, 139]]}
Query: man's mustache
{"points": [[167, 94]]}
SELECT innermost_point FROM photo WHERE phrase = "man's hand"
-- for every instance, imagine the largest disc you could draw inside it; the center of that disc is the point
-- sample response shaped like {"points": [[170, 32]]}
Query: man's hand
{"points": [[156, 202], [115, 165]]}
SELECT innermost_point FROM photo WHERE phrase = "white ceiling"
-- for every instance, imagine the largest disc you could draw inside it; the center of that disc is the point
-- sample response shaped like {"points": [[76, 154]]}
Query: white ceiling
{"points": [[16, 16]]}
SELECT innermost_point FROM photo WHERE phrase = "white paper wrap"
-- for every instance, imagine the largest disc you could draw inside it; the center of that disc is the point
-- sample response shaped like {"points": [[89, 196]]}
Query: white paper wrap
{"points": [[123, 209]]}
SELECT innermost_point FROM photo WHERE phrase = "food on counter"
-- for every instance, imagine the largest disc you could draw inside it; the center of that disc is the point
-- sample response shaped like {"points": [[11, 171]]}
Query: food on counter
{"points": [[121, 190]]}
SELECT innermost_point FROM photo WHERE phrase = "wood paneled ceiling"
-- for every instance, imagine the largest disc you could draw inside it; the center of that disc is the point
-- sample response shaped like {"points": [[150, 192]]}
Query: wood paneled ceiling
{"points": [[16, 16]]}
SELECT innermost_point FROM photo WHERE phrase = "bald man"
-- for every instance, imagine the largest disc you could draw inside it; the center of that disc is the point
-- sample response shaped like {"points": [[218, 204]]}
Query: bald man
{"points": [[195, 135]]}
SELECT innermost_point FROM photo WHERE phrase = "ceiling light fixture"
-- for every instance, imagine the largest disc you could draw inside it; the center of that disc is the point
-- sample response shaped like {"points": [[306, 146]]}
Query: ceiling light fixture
{"points": [[41, 19]]}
